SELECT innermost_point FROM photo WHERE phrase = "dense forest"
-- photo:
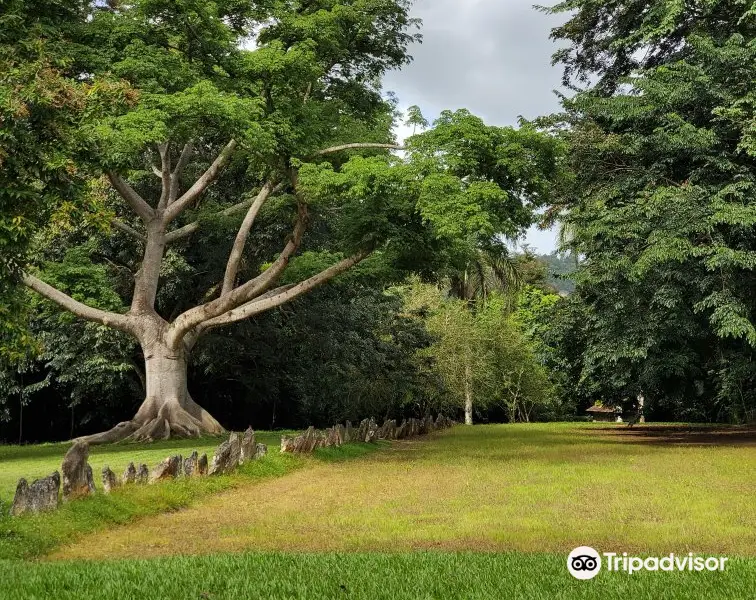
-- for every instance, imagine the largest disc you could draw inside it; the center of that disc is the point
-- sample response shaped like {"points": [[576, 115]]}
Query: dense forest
{"points": [[206, 221]]}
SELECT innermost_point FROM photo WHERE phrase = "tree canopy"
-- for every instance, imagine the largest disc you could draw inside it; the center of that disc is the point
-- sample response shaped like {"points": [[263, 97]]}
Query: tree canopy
{"points": [[206, 220], [232, 157]]}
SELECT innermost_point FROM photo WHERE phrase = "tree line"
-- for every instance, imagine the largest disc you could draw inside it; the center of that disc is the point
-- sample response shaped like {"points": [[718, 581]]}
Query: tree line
{"points": [[206, 221]]}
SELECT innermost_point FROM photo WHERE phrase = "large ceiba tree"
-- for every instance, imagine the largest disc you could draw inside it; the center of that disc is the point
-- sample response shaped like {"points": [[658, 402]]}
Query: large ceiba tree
{"points": [[273, 109]]}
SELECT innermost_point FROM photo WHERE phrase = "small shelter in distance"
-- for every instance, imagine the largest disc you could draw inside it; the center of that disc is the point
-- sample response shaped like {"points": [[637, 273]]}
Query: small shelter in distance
{"points": [[605, 414]]}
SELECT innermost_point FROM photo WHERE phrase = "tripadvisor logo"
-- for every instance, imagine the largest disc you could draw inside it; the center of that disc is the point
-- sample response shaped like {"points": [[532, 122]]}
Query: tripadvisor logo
{"points": [[585, 563]]}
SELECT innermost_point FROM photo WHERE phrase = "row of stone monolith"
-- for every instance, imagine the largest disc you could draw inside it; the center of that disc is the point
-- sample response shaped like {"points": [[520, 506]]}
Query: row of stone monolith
{"points": [[368, 431], [77, 480]]}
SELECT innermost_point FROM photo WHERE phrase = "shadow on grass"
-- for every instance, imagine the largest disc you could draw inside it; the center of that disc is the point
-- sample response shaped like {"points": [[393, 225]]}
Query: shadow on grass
{"points": [[578, 444], [688, 435]]}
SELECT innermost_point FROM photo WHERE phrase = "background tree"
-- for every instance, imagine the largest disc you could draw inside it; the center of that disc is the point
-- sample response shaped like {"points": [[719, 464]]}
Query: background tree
{"points": [[40, 113], [663, 153], [482, 356]]}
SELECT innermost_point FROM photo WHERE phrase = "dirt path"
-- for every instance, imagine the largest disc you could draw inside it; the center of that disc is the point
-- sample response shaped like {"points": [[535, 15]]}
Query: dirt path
{"points": [[536, 488]]}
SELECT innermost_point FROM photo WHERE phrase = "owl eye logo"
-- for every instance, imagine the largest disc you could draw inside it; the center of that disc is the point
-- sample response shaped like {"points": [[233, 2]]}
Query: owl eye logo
{"points": [[584, 563]]}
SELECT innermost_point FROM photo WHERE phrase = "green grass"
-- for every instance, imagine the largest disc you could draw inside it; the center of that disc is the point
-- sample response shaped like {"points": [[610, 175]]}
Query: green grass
{"points": [[400, 523], [533, 488], [31, 536], [372, 576]]}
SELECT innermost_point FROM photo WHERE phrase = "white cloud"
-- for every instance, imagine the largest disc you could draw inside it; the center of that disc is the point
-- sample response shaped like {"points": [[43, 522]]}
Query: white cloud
{"points": [[492, 57]]}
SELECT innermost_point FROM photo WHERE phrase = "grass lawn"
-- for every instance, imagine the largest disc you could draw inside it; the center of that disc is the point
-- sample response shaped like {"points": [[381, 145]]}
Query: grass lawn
{"points": [[31, 536], [483, 512], [372, 576], [533, 488]]}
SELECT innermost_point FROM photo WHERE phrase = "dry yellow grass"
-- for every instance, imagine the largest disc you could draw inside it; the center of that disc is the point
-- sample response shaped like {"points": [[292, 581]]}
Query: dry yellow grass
{"points": [[524, 487]]}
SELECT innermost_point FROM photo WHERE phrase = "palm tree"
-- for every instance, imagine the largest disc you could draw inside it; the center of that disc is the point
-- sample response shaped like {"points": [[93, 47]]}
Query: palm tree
{"points": [[487, 270]]}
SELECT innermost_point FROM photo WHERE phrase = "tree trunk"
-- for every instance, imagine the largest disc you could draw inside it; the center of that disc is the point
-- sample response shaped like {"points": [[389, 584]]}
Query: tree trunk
{"points": [[468, 397], [641, 405], [168, 409]]}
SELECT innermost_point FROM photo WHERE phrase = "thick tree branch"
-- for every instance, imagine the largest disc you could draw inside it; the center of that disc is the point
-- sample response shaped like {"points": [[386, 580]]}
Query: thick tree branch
{"points": [[128, 229], [191, 338], [186, 154], [203, 328], [237, 250], [355, 146], [281, 295], [187, 321], [147, 278], [165, 174], [212, 173], [109, 319], [134, 200]]}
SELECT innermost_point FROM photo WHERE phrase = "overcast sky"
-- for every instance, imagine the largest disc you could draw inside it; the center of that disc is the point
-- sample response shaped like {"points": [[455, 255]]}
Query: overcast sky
{"points": [[492, 57]]}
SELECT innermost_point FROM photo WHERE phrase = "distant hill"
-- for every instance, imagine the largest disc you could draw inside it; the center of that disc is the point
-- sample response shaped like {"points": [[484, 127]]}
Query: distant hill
{"points": [[560, 266]]}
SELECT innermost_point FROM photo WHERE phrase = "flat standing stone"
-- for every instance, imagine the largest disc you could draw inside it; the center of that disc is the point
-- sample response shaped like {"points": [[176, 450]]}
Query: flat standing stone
{"points": [[77, 474], [202, 465], [341, 433], [190, 464], [40, 496], [248, 445], [332, 437], [287, 443], [109, 479], [226, 457], [130, 474], [169, 468], [235, 443], [143, 474], [362, 430], [304, 443], [387, 431], [372, 431]]}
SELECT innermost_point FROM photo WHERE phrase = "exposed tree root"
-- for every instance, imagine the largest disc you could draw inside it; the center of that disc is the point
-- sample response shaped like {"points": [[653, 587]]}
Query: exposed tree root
{"points": [[173, 419]]}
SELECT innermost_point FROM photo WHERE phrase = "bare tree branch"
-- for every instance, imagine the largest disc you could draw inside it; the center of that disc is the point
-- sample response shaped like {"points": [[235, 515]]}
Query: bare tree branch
{"points": [[165, 174], [235, 256], [109, 319], [190, 228], [282, 294], [187, 321], [182, 203], [357, 145], [186, 154], [128, 229], [134, 200]]}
